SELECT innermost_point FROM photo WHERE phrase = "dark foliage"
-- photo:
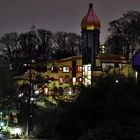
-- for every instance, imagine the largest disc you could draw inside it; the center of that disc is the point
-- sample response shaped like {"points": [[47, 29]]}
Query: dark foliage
{"points": [[7, 89], [37, 47], [125, 34], [65, 45], [109, 107]]}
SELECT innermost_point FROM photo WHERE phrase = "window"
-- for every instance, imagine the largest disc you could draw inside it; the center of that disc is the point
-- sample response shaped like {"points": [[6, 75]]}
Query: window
{"points": [[79, 69], [66, 69], [54, 69], [83, 68], [60, 68], [89, 68], [107, 66]]}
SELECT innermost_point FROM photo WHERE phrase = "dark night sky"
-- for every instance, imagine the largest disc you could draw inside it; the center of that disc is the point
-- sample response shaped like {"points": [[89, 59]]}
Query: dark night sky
{"points": [[59, 15]]}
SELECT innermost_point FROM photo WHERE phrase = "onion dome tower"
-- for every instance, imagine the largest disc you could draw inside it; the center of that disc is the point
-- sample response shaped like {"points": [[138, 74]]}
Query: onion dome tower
{"points": [[90, 27]]}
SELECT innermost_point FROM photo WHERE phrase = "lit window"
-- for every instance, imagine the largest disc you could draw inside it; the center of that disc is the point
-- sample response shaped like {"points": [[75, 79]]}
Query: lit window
{"points": [[79, 69], [83, 68], [89, 68], [66, 69], [80, 79], [103, 51], [103, 47]]}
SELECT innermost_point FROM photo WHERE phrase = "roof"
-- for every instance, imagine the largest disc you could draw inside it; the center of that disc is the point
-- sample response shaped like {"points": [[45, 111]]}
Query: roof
{"points": [[102, 57], [90, 21]]}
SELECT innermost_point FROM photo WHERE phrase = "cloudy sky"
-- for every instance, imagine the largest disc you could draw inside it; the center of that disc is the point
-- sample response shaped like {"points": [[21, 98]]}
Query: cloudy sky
{"points": [[59, 15]]}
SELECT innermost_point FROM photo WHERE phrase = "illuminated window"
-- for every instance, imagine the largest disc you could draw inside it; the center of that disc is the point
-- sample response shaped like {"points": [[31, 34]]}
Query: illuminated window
{"points": [[79, 69], [83, 68], [80, 79], [66, 69], [89, 68], [102, 49]]}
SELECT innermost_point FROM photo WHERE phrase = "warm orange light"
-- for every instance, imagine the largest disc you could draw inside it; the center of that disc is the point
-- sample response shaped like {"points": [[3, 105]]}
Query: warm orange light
{"points": [[46, 91]]}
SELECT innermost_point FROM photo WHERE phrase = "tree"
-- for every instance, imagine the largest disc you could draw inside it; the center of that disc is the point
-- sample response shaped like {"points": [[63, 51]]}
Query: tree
{"points": [[37, 46], [14, 48], [65, 45], [8, 89], [73, 44], [9, 45], [45, 44], [125, 34], [20, 48], [110, 110]]}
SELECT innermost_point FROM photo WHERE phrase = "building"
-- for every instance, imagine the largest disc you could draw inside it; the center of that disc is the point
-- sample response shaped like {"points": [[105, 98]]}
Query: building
{"points": [[71, 69], [93, 62], [88, 67]]}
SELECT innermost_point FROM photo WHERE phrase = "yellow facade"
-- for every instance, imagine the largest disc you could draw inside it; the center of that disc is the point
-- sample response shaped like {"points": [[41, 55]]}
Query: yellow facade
{"points": [[104, 63], [62, 74]]}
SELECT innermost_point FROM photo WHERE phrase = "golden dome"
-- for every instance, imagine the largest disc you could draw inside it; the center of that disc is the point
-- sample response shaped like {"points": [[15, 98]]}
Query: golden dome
{"points": [[90, 21]]}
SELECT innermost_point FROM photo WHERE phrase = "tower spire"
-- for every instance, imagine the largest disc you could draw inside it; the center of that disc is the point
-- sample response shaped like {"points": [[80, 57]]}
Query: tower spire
{"points": [[90, 20], [90, 5], [90, 26]]}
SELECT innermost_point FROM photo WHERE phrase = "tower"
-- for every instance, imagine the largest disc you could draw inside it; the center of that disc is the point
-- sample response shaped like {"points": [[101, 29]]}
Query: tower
{"points": [[90, 27]]}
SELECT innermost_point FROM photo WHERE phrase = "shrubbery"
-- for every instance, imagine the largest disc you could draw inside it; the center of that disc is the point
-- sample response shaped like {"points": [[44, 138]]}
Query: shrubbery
{"points": [[110, 110]]}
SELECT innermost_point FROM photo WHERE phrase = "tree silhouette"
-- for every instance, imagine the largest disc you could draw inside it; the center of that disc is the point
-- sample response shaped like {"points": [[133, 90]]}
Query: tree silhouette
{"points": [[65, 45], [110, 110], [45, 44], [125, 34], [8, 89]]}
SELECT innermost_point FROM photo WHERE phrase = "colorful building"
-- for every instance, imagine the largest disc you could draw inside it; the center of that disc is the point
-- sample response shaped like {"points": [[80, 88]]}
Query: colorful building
{"points": [[88, 67], [71, 69], [92, 63]]}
